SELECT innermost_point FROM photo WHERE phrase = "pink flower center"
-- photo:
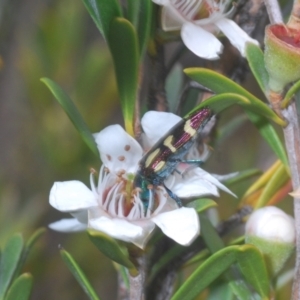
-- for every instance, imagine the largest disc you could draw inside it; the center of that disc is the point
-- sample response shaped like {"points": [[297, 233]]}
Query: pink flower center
{"points": [[195, 9], [287, 35]]}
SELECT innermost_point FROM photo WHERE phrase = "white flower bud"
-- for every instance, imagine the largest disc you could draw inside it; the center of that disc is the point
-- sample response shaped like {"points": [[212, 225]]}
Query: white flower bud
{"points": [[273, 224], [272, 231]]}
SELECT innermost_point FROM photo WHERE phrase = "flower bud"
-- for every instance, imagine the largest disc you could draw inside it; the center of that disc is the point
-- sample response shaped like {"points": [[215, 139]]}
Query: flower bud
{"points": [[282, 55], [272, 231]]}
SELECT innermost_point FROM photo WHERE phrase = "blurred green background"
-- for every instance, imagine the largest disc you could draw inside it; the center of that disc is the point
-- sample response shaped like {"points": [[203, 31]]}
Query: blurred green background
{"points": [[39, 145]]}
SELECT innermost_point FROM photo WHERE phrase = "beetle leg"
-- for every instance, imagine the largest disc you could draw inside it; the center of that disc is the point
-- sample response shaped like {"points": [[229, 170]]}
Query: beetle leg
{"points": [[173, 196]]}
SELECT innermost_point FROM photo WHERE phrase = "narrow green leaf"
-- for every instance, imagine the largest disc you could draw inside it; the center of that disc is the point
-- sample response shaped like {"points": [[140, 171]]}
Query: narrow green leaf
{"points": [[102, 12], [173, 85], [28, 246], [211, 269], [70, 109], [270, 135], [237, 241], [140, 15], [263, 179], [144, 25], [124, 275], [220, 291], [220, 102], [198, 258], [79, 275], [109, 247], [21, 288], [253, 267], [34, 238], [243, 175], [201, 205], [240, 290], [133, 9], [209, 234], [279, 177], [221, 84], [166, 258], [290, 93], [10, 257], [124, 49], [255, 58]]}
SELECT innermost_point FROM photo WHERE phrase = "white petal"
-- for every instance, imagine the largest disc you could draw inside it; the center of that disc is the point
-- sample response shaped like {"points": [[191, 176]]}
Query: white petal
{"points": [[195, 183], [161, 2], [226, 176], [170, 19], [81, 216], [235, 34], [68, 225], [206, 176], [156, 124], [200, 41], [118, 150], [188, 187], [122, 229], [182, 225], [71, 196]]}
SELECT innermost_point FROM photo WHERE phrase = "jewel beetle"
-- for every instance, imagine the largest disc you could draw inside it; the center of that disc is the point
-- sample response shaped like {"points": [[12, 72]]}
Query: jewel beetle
{"points": [[163, 158]]}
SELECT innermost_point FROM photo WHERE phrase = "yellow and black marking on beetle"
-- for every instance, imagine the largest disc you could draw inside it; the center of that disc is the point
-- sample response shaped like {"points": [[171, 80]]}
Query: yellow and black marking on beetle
{"points": [[162, 159]]}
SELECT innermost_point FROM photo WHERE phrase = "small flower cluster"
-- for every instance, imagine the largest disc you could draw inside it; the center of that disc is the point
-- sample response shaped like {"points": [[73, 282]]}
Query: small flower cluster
{"points": [[114, 207]]}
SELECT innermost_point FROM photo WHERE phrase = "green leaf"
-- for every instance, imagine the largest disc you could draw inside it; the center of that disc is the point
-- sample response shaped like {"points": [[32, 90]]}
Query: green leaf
{"points": [[255, 58], [144, 26], [211, 269], [201, 205], [166, 258], [220, 102], [79, 275], [210, 236], [133, 9], [263, 179], [290, 93], [111, 248], [173, 86], [10, 257], [221, 84], [103, 12], [28, 246], [270, 135], [279, 177], [124, 274], [240, 289], [237, 241], [220, 291], [34, 238], [253, 267], [124, 49], [243, 175], [70, 109], [21, 288], [140, 15]]}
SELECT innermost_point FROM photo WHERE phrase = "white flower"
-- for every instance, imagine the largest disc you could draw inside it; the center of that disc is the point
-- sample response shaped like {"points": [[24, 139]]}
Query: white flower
{"points": [[114, 206], [199, 20], [273, 232], [272, 224]]}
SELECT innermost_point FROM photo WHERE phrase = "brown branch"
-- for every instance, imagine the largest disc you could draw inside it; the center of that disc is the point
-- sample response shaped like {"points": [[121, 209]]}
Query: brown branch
{"points": [[292, 142]]}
